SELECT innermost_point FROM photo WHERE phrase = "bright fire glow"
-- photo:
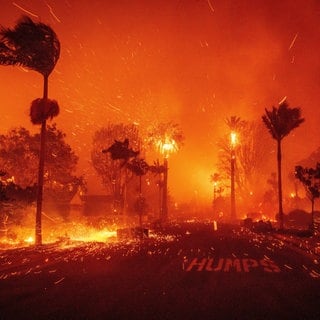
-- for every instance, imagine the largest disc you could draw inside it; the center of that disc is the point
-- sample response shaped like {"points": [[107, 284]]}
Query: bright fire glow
{"points": [[56, 231], [94, 235], [154, 71], [167, 146], [29, 240], [233, 139]]}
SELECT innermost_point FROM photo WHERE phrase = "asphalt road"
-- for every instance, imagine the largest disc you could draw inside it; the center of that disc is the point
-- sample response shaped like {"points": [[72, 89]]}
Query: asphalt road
{"points": [[188, 271]]}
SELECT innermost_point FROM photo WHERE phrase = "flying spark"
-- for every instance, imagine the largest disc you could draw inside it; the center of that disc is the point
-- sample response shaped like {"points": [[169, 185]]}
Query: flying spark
{"points": [[25, 10], [283, 100], [293, 41], [52, 13], [210, 5]]}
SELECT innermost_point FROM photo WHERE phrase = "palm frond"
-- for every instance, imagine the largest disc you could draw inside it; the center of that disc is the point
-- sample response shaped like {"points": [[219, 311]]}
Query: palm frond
{"points": [[234, 123], [29, 44], [43, 109], [282, 120]]}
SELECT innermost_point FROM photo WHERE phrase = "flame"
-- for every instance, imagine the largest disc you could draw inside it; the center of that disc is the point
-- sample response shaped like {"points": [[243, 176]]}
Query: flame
{"points": [[167, 146], [93, 235], [233, 139], [29, 240], [57, 231]]}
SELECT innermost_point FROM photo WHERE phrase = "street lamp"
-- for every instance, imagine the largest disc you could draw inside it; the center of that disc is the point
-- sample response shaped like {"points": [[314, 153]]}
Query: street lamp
{"points": [[166, 147], [233, 143]]}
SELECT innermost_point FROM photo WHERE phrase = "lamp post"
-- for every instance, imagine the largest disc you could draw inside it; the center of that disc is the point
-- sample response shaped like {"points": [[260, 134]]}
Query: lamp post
{"points": [[166, 147], [233, 142]]}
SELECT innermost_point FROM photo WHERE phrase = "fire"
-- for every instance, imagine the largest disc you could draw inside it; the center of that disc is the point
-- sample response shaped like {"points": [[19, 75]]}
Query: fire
{"points": [[55, 231], [167, 146], [233, 139], [93, 235], [29, 240]]}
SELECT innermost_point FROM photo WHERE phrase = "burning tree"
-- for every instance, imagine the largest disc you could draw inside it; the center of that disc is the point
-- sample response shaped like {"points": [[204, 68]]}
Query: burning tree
{"points": [[252, 158], [280, 122], [36, 47], [310, 178], [110, 166], [166, 138]]}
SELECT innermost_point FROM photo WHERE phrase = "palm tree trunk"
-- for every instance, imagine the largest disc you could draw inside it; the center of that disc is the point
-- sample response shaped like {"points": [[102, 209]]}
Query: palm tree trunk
{"points": [[280, 184], [165, 192], [38, 238], [232, 190]]}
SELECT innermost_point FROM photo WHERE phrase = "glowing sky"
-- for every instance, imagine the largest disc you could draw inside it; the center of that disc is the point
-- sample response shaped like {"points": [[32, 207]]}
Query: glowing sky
{"points": [[195, 62]]}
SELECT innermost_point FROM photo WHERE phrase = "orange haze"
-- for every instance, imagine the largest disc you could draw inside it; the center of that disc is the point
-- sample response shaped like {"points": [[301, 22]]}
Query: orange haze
{"points": [[195, 62]]}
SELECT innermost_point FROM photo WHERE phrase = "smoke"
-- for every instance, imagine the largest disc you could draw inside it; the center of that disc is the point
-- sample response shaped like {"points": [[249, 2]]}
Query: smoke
{"points": [[192, 62]]}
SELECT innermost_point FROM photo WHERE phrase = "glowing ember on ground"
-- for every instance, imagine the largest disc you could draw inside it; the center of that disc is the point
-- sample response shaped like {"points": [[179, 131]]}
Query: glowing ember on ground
{"points": [[22, 236], [94, 235]]}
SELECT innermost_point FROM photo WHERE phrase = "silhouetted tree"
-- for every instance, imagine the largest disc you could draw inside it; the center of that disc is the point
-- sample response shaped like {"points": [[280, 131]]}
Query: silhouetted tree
{"points": [[110, 165], [34, 46], [280, 122], [18, 152], [121, 151], [235, 123], [13, 199], [139, 167], [310, 178]]}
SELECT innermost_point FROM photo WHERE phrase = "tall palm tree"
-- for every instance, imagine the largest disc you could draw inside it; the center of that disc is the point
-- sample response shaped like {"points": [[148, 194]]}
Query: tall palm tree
{"points": [[235, 124], [280, 122], [36, 47], [167, 138]]}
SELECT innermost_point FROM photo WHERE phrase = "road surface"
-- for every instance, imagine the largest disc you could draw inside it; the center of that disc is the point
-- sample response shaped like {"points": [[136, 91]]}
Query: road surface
{"points": [[187, 271]]}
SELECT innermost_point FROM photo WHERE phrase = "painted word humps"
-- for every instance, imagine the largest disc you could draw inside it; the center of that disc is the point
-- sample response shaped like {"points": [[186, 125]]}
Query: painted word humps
{"points": [[229, 264]]}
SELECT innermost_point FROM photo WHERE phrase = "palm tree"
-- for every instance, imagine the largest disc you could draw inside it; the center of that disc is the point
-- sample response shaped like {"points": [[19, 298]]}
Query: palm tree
{"points": [[167, 138], [36, 47], [235, 124], [280, 122]]}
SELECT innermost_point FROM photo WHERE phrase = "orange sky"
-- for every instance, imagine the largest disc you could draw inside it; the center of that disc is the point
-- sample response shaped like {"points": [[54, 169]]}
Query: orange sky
{"points": [[195, 62]]}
